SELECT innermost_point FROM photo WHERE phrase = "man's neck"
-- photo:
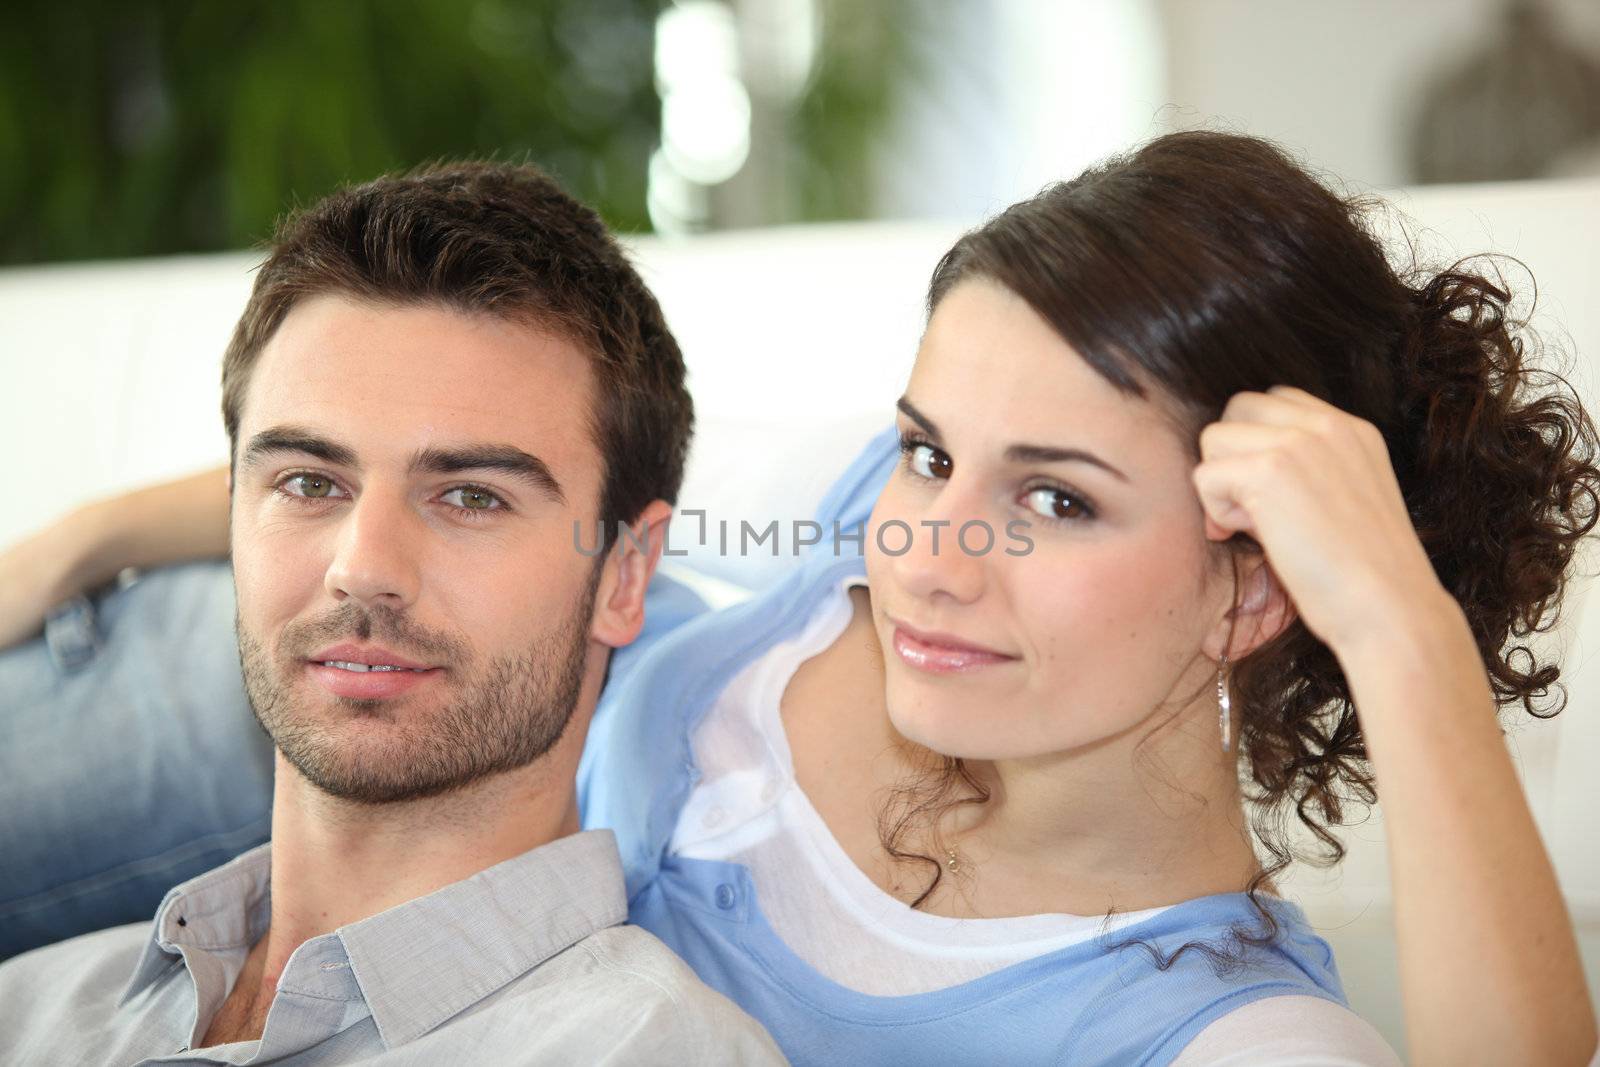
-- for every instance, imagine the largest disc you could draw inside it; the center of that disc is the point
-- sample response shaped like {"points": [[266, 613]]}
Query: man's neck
{"points": [[335, 862]]}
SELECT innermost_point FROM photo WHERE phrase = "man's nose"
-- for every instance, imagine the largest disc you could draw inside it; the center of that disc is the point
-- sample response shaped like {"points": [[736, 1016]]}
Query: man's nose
{"points": [[375, 558]]}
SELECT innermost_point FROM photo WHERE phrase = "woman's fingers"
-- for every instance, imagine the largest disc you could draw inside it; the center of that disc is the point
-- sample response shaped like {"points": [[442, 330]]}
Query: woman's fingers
{"points": [[1229, 490], [1313, 485], [1286, 406], [1220, 440]]}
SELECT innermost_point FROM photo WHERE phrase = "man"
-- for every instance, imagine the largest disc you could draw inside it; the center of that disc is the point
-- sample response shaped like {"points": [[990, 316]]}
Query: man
{"points": [[435, 377]]}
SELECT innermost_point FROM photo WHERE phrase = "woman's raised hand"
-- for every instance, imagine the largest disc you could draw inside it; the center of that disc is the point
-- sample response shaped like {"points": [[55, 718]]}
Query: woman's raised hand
{"points": [[1473, 886], [1314, 486]]}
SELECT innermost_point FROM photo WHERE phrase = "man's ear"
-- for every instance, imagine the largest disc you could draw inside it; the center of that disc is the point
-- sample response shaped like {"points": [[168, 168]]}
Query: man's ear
{"points": [[625, 575], [1264, 611]]}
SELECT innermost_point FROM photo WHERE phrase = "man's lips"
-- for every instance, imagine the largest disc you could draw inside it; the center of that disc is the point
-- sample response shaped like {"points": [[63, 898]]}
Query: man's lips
{"points": [[339, 670], [942, 653], [370, 655], [369, 685]]}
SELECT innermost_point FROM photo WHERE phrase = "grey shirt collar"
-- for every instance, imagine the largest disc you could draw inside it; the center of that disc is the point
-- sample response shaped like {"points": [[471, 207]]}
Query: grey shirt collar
{"points": [[502, 922]]}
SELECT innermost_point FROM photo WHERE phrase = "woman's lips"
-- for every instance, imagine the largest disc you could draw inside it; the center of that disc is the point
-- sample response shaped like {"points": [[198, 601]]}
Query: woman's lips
{"points": [[941, 653]]}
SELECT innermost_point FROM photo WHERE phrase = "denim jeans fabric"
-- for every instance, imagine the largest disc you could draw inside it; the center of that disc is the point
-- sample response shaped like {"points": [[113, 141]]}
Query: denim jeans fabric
{"points": [[129, 758]]}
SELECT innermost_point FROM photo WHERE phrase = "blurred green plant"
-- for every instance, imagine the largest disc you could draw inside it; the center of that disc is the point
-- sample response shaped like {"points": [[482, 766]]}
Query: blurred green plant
{"points": [[148, 127], [865, 62], [159, 126]]}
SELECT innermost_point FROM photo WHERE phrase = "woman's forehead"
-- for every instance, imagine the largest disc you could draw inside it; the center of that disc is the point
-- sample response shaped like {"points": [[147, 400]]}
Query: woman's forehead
{"points": [[989, 361]]}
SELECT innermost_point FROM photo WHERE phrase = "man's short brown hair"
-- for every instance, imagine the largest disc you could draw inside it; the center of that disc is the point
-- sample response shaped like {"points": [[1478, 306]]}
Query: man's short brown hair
{"points": [[506, 240]]}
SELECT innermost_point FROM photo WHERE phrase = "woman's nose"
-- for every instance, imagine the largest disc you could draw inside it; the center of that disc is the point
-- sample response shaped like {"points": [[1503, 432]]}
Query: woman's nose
{"points": [[942, 550]]}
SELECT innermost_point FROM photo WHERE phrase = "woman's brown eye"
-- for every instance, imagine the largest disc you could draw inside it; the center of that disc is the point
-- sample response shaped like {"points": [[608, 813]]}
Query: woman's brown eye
{"points": [[1058, 504], [929, 462]]}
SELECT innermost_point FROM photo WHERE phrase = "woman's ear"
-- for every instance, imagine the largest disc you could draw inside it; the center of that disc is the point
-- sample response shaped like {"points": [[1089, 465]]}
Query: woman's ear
{"points": [[1263, 611]]}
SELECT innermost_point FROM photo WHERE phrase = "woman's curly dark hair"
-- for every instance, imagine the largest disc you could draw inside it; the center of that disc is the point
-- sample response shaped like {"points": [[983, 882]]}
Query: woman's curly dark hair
{"points": [[1205, 263]]}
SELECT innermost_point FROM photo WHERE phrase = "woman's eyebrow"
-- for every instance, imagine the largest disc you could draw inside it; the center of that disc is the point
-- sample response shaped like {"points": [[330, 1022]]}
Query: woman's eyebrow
{"points": [[1048, 454], [1020, 453], [910, 411]]}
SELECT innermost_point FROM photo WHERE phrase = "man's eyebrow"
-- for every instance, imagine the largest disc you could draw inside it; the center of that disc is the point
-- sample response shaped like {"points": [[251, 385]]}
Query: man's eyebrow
{"points": [[507, 460], [1020, 453], [296, 439]]}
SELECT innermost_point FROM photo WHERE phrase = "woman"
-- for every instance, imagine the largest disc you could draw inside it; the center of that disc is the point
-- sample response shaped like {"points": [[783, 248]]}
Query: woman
{"points": [[1209, 478]]}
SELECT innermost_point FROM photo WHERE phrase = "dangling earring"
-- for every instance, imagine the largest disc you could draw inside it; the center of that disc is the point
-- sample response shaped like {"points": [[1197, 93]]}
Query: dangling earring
{"points": [[1222, 703]]}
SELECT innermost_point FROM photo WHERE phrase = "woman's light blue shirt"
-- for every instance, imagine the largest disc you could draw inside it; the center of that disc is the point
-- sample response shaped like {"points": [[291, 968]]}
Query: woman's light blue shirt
{"points": [[1090, 1003]]}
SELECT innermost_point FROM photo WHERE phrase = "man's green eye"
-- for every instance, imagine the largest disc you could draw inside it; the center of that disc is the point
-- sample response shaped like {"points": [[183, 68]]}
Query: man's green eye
{"points": [[307, 480], [473, 499]]}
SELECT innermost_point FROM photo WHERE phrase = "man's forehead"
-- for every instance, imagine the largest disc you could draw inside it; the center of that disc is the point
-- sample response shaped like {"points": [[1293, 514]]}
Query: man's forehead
{"points": [[423, 372], [332, 333]]}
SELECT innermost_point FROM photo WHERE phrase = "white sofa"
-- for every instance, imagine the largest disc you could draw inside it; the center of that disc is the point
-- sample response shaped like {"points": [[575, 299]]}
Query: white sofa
{"points": [[798, 342]]}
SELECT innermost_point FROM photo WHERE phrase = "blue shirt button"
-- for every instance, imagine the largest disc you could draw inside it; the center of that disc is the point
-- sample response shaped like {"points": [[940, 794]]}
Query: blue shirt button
{"points": [[725, 896]]}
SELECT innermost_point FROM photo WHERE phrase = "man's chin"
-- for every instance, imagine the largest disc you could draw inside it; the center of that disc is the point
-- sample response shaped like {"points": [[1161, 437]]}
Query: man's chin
{"points": [[360, 771]]}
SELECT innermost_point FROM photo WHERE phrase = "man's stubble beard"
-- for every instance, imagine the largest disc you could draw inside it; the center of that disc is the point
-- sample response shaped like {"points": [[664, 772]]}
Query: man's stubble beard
{"points": [[502, 721]]}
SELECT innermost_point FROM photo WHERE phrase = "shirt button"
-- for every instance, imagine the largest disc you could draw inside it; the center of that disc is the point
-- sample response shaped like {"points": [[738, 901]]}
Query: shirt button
{"points": [[714, 818], [725, 896]]}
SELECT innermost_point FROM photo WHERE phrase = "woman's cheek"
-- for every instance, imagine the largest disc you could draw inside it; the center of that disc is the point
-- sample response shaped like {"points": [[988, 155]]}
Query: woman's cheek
{"points": [[1086, 610]]}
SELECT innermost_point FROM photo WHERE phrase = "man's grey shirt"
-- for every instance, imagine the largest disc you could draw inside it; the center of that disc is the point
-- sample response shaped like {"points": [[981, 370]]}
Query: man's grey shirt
{"points": [[529, 961]]}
